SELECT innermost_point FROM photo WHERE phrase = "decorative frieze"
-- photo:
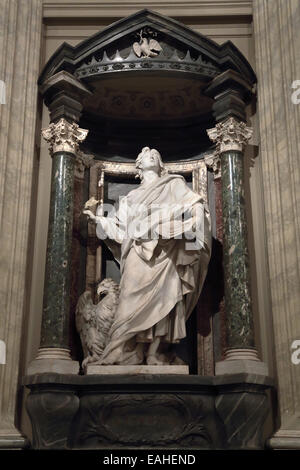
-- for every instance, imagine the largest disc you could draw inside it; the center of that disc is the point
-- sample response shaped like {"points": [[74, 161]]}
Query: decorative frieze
{"points": [[64, 136], [145, 56], [230, 135]]}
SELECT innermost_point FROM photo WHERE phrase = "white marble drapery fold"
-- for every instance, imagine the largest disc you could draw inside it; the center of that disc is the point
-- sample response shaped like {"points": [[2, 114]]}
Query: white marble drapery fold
{"points": [[162, 270]]}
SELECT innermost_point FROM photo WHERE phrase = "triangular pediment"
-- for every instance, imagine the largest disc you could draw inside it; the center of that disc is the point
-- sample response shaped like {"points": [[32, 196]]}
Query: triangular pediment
{"points": [[125, 46]]}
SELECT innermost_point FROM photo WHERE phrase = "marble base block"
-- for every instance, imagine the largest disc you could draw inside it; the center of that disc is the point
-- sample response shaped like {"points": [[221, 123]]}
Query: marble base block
{"points": [[148, 411], [60, 366], [241, 366], [136, 369], [53, 360]]}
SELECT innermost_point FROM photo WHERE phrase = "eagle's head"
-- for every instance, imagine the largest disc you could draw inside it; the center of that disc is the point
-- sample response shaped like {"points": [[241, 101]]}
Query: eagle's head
{"points": [[106, 286]]}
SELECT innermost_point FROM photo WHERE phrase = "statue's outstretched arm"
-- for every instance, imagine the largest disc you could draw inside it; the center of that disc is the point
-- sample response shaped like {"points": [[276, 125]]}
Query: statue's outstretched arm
{"points": [[107, 227]]}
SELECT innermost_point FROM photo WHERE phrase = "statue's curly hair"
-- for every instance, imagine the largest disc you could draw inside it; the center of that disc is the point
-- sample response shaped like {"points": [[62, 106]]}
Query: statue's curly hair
{"points": [[162, 169]]}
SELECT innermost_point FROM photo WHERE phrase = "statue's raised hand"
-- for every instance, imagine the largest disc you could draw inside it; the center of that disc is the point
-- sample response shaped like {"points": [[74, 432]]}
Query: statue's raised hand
{"points": [[90, 215], [90, 203]]}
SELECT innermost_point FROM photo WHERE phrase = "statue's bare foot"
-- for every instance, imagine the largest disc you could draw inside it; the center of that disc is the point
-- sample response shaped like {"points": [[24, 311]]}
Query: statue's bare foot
{"points": [[114, 357], [134, 357], [152, 360]]}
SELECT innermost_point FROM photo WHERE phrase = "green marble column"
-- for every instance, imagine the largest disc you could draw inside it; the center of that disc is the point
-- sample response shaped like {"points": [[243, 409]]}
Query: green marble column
{"points": [[55, 327], [54, 352], [240, 330], [231, 136]]}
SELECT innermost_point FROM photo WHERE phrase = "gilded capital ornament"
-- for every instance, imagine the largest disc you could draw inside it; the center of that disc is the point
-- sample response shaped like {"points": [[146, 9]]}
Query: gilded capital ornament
{"points": [[230, 135], [64, 136]]}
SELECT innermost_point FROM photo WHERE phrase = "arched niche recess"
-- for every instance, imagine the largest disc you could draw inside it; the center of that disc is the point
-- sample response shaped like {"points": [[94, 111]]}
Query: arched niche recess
{"points": [[127, 99]]}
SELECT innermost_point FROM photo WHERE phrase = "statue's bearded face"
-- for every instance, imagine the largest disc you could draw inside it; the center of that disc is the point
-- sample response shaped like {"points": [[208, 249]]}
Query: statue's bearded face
{"points": [[149, 160]]}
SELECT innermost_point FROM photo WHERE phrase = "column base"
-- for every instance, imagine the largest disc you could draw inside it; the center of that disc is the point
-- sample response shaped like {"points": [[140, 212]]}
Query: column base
{"points": [[12, 440], [241, 360], [288, 436], [285, 440], [53, 360]]}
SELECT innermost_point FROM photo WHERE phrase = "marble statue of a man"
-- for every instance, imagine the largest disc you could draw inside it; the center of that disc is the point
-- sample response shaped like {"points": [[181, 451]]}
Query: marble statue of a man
{"points": [[161, 237]]}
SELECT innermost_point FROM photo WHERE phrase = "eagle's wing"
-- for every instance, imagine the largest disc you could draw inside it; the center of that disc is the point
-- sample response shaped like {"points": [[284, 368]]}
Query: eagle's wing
{"points": [[137, 49], [79, 314], [154, 45], [104, 316], [84, 318]]}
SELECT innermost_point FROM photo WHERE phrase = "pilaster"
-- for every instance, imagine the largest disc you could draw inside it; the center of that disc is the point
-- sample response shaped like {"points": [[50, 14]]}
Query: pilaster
{"points": [[277, 39], [20, 44]]}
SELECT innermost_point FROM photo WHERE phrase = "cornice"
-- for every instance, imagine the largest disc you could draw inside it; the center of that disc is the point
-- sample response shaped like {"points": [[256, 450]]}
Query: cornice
{"points": [[119, 8], [180, 40]]}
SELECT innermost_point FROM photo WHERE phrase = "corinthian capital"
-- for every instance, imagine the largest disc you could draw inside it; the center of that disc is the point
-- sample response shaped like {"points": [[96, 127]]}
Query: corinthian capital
{"points": [[230, 135], [64, 136]]}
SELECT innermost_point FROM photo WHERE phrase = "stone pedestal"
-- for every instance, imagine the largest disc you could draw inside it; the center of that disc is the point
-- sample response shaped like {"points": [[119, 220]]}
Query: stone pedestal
{"points": [[134, 370], [148, 411], [235, 366]]}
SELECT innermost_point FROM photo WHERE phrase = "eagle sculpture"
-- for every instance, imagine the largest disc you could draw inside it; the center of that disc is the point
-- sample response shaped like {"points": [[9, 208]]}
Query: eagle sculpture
{"points": [[93, 321], [147, 48]]}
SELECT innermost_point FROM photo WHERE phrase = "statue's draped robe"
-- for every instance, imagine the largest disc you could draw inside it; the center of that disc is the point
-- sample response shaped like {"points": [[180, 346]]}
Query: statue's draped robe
{"points": [[162, 273]]}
